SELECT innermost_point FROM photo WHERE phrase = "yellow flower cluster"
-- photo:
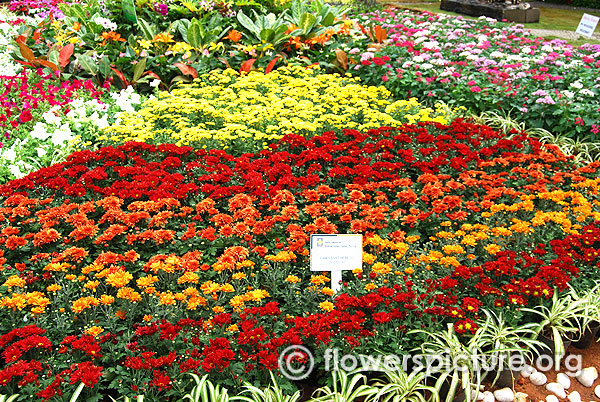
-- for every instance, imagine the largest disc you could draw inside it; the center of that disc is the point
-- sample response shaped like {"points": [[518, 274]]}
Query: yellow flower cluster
{"points": [[222, 107]]}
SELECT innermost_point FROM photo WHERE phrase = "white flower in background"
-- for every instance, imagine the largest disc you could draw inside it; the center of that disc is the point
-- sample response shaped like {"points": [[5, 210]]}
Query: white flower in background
{"points": [[62, 135], [41, 152], [426, 66], [576, 84], [100, 122], [40, 131], [9, 154], [106, 23], [547, 48], [526, 49], [50, 117], [15, 171], [126, 98], [586, 92], [418, 59], [568, 94], [154, 83], [432, 45], [497, 55]]}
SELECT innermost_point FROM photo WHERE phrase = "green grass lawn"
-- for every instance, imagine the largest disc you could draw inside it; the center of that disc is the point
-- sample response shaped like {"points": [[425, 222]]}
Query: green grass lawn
{"points": [[550, 18]]}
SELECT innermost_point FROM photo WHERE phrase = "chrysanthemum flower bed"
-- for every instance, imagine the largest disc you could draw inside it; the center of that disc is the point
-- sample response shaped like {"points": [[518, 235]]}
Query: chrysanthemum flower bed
{"points": [[126, 267], [246, 112], [483, 65]]}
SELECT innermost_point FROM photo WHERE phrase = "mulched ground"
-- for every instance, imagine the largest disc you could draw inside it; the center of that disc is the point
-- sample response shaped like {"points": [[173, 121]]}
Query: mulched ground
{"points": [[590, 357]]}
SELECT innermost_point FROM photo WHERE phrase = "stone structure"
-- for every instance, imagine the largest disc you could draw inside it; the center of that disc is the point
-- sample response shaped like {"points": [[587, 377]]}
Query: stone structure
{"points": [[511, 10]]}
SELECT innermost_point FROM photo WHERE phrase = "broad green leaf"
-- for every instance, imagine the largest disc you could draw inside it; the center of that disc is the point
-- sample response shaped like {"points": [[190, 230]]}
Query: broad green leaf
{"points": [[132, 40], [182, 26], [87, 63], [307, 21], [328, 20], [129, 52], [195, 34], [148, 29], [267, 35], [297, 9], [139, 69], [77, 11], [104, 66], [53, 57], [247, 23], [280, 30]]}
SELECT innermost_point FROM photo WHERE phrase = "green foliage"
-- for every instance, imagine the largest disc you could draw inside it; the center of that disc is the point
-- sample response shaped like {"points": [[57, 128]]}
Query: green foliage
{"points": [[206, 391], [268, 28], [345, 387]]}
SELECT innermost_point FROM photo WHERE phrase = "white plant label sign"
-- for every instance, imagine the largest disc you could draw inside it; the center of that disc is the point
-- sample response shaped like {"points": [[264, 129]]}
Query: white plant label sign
{"points": [[335, 253], [587, 25]]}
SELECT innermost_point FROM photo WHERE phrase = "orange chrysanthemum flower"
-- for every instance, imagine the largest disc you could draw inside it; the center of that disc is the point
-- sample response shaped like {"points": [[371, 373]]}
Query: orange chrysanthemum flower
{"points": [[119, 279]]}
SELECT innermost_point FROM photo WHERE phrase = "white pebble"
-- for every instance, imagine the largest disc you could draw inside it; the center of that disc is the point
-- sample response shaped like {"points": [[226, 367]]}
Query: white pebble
{"points": [[563, 380], [597, 391], [504, 395], [556, 389], [538, 378], [552, 398], [574, 397], [488, 397], [587, 376], [527, 371]]}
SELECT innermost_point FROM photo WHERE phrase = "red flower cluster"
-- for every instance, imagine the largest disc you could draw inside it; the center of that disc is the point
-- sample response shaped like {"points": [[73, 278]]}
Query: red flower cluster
{"points": [[490, 165]]}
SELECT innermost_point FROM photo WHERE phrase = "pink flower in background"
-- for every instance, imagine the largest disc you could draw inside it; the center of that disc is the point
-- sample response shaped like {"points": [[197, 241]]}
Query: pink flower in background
{"points": [[546, 100]]}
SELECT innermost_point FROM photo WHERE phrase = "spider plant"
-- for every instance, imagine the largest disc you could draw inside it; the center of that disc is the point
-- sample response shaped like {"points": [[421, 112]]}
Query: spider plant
{"points": [[590, 323], [346, 387], [504, 342], [402, 387], [460, 362], [562, 319], [205, 391], [272, 393], [592, 305]]}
